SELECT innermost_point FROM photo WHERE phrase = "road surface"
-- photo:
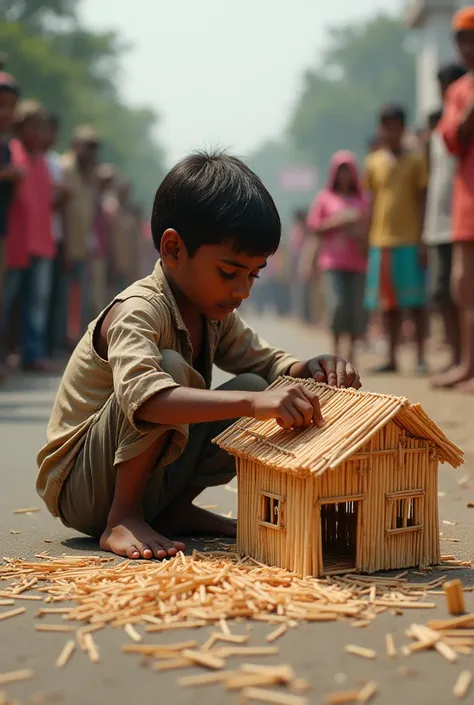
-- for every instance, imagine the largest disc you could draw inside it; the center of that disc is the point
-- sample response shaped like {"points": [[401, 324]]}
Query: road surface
{"points": [[315, 651]]}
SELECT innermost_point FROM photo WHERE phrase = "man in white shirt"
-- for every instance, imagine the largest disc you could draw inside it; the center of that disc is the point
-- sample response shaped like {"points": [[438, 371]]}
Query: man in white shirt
{"points": [[437, 228]]}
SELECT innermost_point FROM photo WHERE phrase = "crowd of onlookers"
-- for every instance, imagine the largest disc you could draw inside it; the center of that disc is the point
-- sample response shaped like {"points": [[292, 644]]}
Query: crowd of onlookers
{"points": [[379, 250], [70, 233]]}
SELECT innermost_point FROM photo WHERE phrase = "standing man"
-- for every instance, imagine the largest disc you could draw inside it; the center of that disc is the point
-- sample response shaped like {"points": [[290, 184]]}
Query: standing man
{"points": [[79, 167], [437, 231], [457, 130], [396, 278]]}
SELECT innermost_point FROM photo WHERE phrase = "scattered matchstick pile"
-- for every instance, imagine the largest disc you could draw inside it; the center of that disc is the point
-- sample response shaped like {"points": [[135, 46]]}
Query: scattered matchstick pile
{"points": [[208, 589]]}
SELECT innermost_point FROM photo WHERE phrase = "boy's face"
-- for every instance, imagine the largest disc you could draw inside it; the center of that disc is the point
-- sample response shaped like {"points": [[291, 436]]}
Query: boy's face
{"points": [[391, 132], [31, 132], [215, 280], [465, 42], [8, 101]]}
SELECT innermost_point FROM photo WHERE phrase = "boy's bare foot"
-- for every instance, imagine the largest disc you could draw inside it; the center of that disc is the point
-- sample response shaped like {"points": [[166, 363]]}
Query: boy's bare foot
{"points": [[457, 375], [135, 539], [188, 520]]}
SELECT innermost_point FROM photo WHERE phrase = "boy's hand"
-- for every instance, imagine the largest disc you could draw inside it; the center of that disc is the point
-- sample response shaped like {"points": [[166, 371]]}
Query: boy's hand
{"points": [[334, 370], [292, 407]]}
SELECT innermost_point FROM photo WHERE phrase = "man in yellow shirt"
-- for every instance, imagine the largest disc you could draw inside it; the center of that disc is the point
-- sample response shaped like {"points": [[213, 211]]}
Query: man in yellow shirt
{"points": [[396, 279]]}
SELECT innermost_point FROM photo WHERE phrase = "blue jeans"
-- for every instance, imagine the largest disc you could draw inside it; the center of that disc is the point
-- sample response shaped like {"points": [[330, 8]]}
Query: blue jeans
{"points": [[32, 286]]}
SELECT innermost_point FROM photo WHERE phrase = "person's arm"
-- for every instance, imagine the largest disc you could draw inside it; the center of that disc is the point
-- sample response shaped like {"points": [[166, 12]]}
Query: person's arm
{"points": [[11, 172], [456, 124], [149, 396]]}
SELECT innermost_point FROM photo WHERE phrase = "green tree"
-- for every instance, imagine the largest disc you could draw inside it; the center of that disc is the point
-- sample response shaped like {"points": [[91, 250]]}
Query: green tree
{"points": [[73, 72], [363, 67]]}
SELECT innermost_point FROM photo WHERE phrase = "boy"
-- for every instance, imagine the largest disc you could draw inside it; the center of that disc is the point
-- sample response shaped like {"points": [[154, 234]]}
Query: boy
{"points": [[29, 244], [396, 276], [10, 174], [136, 392], [437, 230], [457, 129]]}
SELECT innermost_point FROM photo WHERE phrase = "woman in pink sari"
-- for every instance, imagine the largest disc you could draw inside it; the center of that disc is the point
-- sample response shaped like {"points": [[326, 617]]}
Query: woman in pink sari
{"points": [[339, 217]]}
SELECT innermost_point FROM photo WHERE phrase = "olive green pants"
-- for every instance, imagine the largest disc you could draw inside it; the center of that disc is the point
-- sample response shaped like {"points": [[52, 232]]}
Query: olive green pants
{"points": [[87, 495]]}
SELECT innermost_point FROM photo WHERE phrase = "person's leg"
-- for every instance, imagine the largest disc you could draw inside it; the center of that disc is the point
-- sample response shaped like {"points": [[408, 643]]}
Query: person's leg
{"points": [[202, 464], [90, 500], [356, 320], [35, 309], [334, 302], [392, 321], [462, 285], [446, 306], [418, 316], [13, 285]]}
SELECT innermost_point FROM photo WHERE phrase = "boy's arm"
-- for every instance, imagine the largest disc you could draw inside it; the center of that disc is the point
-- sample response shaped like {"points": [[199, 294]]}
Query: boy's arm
{"points": [[242, 350], [149, 396]]}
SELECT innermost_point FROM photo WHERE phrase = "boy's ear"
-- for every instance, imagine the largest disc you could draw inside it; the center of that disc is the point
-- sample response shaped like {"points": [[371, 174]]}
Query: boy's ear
{"points": [[171, 247]]}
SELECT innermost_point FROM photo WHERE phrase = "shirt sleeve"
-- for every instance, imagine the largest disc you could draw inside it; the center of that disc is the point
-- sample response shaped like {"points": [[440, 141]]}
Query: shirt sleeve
{"points": [[316, 215], [449, 124], [240, 349], [134, 357]]}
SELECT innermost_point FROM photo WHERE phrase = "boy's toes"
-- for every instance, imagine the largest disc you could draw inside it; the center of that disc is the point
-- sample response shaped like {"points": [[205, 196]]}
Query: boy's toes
{"points": [[133, 552], [145, 551], [169, 547], [158, 551], [179, 545]]}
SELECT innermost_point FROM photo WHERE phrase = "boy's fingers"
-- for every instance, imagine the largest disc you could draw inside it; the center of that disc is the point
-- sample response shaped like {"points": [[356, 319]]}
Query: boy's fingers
{"points": [[316, 413], [352, 377], [296, 415], [285, 419], [341, 373], [305, 408]]}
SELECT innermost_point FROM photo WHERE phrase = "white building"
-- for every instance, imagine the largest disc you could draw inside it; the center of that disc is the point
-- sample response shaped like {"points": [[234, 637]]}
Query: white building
{"points": [[431, 22]]}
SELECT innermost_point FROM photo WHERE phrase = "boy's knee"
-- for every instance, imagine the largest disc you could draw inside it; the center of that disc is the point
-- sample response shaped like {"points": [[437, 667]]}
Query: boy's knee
{"points": [[183, 374], [248, 382]]}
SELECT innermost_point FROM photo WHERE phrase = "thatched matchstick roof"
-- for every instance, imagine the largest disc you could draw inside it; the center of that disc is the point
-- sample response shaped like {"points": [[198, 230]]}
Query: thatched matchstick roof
{"points": [[352, 418]]}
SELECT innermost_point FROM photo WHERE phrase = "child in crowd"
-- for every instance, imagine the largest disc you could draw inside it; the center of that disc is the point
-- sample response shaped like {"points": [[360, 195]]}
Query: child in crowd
{"points": [[10, 175], [438, 222], [396, 279], [30, 246], [457, 129], [129, 440], [339, 218]]}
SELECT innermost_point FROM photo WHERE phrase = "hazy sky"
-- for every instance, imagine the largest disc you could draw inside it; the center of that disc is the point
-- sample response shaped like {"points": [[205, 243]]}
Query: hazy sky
{"points": [[221, 72]]}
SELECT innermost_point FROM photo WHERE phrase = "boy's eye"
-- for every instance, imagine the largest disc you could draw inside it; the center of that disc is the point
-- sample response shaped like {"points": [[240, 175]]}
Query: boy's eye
{"points": [[231, 275], [227, 275]]}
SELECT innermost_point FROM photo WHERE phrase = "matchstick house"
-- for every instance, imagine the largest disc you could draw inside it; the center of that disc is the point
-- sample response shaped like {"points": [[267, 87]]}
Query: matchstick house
{"points": [[358, 495]]}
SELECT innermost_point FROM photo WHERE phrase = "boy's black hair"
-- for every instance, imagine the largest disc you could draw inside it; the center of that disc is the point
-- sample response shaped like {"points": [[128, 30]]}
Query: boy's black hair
{"points": [[212, 197], [392, 111], [434, 117], [448, 73]]}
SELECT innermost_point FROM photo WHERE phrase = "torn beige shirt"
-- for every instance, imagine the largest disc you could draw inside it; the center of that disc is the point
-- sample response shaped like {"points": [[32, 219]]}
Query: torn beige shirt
{"points": [[132, 371]]}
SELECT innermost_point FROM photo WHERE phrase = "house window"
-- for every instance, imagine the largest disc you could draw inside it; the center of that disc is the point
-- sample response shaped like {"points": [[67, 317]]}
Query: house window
{"points": [[271, 510], [405, 511]]}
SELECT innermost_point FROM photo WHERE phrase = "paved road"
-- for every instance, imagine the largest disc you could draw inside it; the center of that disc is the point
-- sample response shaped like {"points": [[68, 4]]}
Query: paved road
{"points": [[316, 651]]}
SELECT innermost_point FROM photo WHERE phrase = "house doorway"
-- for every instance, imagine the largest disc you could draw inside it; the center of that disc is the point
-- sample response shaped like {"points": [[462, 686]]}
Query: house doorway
{"points": [[339, 529]]}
